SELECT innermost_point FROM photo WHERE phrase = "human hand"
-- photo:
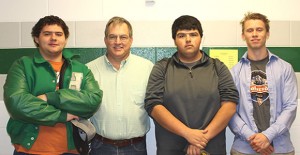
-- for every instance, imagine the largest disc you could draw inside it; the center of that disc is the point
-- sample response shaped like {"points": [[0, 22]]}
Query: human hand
{"points": [[71, 117], [259, 142], [267, 151], [192, 150], [43, 97], [197, 138]]}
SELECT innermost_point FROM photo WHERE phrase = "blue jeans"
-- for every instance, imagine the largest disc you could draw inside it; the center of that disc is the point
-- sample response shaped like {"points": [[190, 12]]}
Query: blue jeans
{"points": [[100, 148], [21, 153]]}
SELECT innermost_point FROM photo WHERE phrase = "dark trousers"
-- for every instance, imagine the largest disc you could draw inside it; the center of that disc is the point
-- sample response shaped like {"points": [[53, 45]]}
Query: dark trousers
{"points": [[21, 153]]}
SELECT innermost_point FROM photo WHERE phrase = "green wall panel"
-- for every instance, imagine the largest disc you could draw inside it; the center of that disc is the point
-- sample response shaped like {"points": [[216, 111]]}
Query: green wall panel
{"points": [[8, 56]]}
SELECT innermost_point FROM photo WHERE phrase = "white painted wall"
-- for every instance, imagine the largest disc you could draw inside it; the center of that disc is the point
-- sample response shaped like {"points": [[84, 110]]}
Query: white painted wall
{"points": [[152, 25], [95, 10]]}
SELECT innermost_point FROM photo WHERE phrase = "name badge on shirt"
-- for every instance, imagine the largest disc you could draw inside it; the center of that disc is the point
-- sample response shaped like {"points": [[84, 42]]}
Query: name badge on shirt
{"points": [[76, 80]]}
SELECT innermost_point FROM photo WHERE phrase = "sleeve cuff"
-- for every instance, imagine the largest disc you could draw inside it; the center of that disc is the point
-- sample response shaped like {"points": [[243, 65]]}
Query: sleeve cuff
{"points": [[248, 133], [63, 117], [53, 98], [268, 135]]}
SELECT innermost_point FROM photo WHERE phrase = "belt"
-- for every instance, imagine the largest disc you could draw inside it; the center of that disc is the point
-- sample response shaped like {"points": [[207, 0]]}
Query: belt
{"points": [[119, 143]]}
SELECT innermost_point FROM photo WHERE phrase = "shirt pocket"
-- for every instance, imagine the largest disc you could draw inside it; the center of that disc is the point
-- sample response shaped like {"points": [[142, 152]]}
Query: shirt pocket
{"points": [[138, 97]]}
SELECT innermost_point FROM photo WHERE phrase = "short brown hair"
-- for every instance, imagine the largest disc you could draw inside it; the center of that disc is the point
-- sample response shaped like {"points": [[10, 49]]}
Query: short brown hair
{"points": [[118, 20], [255, 16]]}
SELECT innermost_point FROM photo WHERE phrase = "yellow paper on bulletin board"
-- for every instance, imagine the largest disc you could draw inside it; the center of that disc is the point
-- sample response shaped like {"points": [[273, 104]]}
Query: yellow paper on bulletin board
{"points": [[228, 56]]}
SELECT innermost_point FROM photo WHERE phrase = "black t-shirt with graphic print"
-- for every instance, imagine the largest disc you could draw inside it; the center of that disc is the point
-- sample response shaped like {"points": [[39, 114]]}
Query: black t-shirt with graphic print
{"points": [[260, 94]]}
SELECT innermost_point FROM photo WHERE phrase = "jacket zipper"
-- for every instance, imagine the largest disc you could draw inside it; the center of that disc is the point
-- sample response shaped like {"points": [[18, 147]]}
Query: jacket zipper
{"points": [[191, 74]]}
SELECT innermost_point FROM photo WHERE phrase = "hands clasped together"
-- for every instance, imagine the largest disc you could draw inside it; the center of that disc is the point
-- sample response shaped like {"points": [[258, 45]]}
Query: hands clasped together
{"points": [[198, 140], [261, 144]]}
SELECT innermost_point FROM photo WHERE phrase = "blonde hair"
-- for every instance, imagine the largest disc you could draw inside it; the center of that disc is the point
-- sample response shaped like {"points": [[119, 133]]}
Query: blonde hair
{"points": [[255, 16]]}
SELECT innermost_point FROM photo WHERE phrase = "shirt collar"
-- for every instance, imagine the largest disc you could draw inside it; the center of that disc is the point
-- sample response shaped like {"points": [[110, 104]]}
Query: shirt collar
{"points": [[67, 54], [271, 56], [203, 59], [123, 62]]}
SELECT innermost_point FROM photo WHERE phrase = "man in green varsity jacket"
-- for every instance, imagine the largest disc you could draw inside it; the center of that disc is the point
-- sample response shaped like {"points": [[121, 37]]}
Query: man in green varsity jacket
{"points": [[44, 92]]}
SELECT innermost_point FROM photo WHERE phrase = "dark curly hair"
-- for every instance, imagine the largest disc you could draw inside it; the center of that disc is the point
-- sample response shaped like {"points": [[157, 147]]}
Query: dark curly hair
{"points": [[48, 20]]}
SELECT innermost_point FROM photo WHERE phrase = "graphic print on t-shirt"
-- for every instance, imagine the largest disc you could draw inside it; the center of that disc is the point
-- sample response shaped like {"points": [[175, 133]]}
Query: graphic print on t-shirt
{"points": [[259, 87]]}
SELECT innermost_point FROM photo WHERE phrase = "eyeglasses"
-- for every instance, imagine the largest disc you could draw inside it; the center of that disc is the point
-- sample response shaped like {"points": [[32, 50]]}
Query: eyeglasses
{"points": [[113, 38]]}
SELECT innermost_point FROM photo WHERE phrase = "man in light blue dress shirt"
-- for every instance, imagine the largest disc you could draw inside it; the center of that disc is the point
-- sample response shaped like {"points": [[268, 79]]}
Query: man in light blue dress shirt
{"points": [[121, 121], [268, 95]]}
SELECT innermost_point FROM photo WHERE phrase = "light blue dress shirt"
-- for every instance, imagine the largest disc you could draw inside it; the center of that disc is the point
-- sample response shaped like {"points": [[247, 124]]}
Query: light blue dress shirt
{"points": [[122, 114], [282, 85]]}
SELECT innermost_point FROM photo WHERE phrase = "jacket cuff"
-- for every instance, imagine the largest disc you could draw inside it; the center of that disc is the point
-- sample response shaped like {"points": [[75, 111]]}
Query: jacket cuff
{"points": [[53, 98], [63, 117]]}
